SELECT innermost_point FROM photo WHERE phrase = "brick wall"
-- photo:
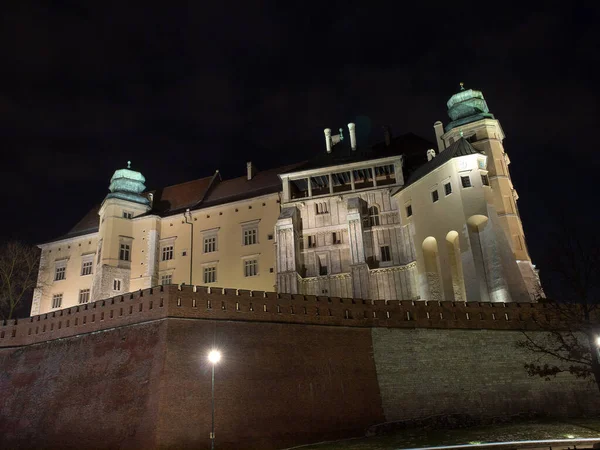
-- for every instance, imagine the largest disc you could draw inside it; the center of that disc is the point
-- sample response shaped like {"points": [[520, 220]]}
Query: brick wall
{"points": [[423, 373]]}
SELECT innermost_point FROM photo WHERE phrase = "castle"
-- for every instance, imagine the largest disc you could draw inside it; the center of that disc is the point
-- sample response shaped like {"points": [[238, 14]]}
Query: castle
{"points": [[395, 220]]}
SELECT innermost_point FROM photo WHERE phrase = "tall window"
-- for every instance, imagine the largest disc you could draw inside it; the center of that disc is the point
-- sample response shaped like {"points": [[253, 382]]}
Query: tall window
{"points": [[409, 211], [167, 253], [321, 208], [250, 267], [373, 215], [336, 237], [57, 300], [86, 267], [166, 279], [116, 284], [210, 275], [210, 244], [124, 253], [84, 295], [312, 241], [127, 215], [485, 180], [60, 273], [250, 236], [466, 181], [99, 251], [435, 196], [448, 188], [385, 253]]}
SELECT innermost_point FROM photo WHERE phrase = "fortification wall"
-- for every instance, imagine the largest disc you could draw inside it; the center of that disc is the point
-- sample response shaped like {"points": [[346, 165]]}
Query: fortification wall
{"points": [[130, 371], [424, 373], [99, 391]]}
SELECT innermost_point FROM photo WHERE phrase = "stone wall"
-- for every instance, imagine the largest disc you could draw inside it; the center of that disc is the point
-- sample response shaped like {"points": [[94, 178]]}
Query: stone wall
{"points": [[480, 373]]}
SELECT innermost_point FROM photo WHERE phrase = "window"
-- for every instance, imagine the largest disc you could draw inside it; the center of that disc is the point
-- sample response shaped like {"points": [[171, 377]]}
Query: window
{"points": [[61, 272], [166, 279], [84, 295], [321, 208], [323, 267], [116, 284], [373, 215], [485, 180], [86, 267], [337, 237], [409, 211], [57, 300], [99, 251], [481, 163], [250, 268], [270, 237], [250, 236], [312, 241], [448, 188], [466, 181], [210, 244], [435, 196], [124, 252], [127, 215], [167, 253], [385, 254], [210, 275]]}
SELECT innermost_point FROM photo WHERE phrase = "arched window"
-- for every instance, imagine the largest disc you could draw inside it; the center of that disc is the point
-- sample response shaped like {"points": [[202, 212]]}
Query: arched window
{"points": [[373, 215]]}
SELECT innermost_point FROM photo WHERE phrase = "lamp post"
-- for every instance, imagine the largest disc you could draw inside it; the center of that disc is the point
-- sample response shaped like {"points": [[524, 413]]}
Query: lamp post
{"points": [[214, 356]]}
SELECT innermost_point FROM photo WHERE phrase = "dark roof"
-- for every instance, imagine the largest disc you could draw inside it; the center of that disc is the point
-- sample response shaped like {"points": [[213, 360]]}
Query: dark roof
{"points": [[412, 146], [180, 196], [458, 148]]}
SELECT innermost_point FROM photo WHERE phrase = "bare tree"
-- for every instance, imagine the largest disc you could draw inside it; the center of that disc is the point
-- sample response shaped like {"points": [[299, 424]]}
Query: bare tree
{"points": [[19, 264], [571, 342]]}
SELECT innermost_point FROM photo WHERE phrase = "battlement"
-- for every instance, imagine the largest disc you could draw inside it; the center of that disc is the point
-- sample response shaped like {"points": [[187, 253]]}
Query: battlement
{"points": [[204, 303]]}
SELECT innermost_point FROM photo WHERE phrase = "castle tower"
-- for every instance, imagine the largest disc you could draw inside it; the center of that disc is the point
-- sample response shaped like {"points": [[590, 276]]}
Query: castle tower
{"points": [[115, 234], [472, 120]]}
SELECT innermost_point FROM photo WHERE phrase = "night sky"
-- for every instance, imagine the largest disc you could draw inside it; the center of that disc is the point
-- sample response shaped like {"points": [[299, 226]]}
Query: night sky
{"points": [[86, 86]]}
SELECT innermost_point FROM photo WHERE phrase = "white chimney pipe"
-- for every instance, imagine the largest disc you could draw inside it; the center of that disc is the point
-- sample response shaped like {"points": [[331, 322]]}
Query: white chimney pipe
{"points": [[439, 131], [430, 154], [328, 139], [249, 170], [351, 129]]}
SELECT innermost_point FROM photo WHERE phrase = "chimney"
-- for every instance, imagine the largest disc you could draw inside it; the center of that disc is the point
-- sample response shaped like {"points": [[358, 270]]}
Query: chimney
{"points": [[430, 154], [351, 129], [439, 131], [387, 134], [250, 170], [328, 139]]}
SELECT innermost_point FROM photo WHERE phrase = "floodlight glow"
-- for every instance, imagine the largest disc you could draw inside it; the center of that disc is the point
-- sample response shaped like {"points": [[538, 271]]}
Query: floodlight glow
{"points": [[598, 341], [214, 356]]}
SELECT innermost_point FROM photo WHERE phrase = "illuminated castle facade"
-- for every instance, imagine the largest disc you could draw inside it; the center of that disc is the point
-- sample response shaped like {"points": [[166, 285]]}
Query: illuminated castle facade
{"points": [[396, 220]]}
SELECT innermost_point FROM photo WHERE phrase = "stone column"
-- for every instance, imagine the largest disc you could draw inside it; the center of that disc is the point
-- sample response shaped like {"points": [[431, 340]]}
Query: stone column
{"points": [[359, 267]]}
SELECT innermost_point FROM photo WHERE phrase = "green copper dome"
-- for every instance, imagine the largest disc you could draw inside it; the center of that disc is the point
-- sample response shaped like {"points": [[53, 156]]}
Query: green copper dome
{"points": [[128, 184], [467, 106]]}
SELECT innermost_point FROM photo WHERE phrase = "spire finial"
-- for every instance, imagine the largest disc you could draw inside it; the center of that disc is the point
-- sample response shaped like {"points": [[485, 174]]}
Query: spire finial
{"points": [[129, 164], [462, 86]]}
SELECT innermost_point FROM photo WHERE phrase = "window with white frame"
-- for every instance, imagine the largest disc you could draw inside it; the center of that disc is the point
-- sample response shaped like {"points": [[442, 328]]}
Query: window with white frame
{"points": [[250, 267], [409, 210], [373, 216], [87, 264], [210, 244], [448, 188], [466, 181], [481, 163], [210, 274], [251, 235], [57, 300], [125, 252], [99, 251], [60, 271], [127, 215], [485, 180], [167, 253], [84, 295], [435, 196], [117, 284], [166, 279]]}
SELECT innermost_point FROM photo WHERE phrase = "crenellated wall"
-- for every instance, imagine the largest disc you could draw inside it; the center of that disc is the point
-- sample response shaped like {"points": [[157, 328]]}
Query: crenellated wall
{"points": [[131, 370]]}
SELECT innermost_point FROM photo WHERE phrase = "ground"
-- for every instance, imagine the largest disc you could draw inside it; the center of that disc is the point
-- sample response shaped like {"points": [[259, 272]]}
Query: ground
{"points": [[530, 430]]}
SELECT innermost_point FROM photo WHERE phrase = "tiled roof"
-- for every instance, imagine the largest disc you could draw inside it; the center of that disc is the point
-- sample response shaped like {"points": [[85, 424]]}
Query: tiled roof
{"points": [[180, 196], [88, 224], [458, 148]]}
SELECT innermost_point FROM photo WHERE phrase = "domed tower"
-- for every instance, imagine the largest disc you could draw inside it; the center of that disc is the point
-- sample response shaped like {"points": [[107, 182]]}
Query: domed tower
{"points": [[115, 235], [472, 120]]}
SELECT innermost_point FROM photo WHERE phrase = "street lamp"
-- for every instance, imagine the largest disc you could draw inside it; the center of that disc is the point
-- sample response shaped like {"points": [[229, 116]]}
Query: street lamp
{"points": [[214, 356]]}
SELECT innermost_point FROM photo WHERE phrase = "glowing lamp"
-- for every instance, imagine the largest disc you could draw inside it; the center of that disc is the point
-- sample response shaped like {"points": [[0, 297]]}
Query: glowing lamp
{"points": [[214, 356]]}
